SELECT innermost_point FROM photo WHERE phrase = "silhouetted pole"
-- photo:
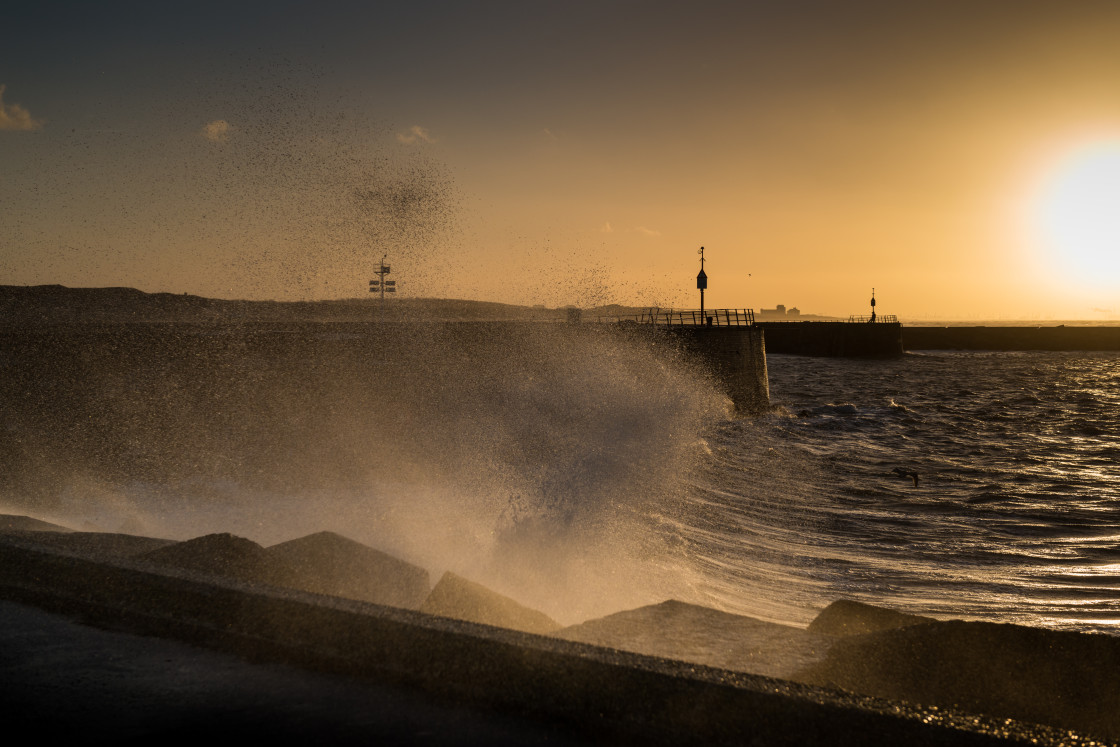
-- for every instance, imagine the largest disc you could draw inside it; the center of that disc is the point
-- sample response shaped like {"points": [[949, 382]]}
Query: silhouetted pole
{"points": [[381, 284], [702, 283], [872, 304]]}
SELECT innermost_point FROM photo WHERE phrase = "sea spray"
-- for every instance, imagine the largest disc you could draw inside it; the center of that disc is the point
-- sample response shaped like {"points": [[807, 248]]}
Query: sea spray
{"points": [[545, 460], [752, 521]]}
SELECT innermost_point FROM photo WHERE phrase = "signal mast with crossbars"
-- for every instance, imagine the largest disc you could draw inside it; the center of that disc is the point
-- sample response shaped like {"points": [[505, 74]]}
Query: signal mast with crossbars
{"points": [[381, 285]]}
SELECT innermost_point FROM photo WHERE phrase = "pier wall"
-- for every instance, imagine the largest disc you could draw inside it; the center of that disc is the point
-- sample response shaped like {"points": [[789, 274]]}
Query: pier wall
{"points": [[834, 339], [1011, 338], [736, 357]]}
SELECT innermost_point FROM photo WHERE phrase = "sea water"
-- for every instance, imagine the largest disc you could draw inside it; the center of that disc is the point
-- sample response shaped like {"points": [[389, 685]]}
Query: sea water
{"points": [[584, 472], [1015, 516]]}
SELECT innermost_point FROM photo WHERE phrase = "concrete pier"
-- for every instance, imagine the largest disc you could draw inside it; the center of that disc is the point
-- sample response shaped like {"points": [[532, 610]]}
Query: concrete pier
{"points": [[835, 339], [1012, 338], [735, 356], [726, 343]]}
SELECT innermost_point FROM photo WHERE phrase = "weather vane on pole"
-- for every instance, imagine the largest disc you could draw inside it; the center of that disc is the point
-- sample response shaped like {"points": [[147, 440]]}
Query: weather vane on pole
{"points": [[381, 285]]}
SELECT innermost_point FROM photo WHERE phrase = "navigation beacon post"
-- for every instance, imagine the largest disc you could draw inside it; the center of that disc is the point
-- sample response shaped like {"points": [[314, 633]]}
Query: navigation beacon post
{"points": [[727, 344], [702, 284]]}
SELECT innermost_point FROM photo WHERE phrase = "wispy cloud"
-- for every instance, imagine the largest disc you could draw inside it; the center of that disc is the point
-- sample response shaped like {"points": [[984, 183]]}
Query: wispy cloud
{"points": [[415, 134], [15, 117], [646, 231], [217, 131], [606, 227]]}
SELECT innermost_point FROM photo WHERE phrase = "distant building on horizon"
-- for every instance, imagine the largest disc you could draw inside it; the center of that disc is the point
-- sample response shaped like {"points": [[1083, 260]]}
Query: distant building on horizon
{"points": [[779, 312]]}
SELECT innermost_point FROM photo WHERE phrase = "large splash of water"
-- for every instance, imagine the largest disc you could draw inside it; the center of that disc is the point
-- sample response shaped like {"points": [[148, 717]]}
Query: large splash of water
{"points": [[548, 461]]}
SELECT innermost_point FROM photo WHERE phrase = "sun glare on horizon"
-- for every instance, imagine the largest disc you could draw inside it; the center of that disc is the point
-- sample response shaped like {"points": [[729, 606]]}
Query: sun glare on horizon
{"points": [[1077, 215]]}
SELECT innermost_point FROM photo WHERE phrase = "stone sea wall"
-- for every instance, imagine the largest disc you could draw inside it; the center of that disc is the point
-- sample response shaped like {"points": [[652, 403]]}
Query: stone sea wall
{"points": [[878, 677]]}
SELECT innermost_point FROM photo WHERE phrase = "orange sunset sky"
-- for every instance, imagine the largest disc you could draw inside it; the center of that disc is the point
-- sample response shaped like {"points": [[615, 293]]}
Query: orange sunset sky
{"points": [[962, 158]]}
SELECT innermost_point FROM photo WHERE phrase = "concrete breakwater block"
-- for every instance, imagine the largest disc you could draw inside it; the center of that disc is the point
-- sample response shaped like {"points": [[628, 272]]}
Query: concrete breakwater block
{"points": [[18, 523], [461, 599], [1064, 679], [99, 545], [328, 563], [322, 563], [223, 555], [689, 632], [606, 695], [845, 617]]}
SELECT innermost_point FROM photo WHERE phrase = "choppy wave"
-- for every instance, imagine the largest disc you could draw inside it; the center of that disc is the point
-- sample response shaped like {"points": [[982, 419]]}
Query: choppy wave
{"points": [[1016, 516], [585, 473], [539, 459]]}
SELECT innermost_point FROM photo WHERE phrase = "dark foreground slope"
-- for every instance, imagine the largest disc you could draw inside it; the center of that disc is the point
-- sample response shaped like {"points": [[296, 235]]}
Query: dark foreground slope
{"points": [[70, 683], [1043, 676], [595, 694]]}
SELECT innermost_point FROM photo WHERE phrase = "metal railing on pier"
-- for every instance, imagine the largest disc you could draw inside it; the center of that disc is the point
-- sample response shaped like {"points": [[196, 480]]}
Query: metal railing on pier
{"points": [[879, 318], [688, 317]]}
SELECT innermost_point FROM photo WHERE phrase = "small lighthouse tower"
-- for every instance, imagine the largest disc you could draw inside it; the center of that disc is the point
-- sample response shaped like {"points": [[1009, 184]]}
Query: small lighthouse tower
{"points": [[873, 304]]}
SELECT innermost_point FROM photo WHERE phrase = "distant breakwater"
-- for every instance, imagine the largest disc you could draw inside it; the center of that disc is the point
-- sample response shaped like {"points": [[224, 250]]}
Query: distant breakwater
{"points": [[834, 339], [1010, 338], [864, 340]]}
